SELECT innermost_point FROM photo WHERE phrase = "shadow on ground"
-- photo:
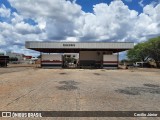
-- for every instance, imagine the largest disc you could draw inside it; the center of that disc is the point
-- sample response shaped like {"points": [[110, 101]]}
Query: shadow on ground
{"points": [[96, 74], [68, 85], [147, 88], [63, 73]]}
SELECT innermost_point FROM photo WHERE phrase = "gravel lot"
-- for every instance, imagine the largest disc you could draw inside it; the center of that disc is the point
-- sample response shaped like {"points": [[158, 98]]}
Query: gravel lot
{"points": [[28, 88]]}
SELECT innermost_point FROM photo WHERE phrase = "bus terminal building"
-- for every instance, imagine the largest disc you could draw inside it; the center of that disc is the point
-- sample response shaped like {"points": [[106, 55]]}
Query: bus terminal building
{"points": [[81, 54]]}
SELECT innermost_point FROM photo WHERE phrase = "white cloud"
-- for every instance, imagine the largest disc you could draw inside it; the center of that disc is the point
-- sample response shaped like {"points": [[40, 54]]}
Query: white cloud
{"points": [[16, 18], [109, 22], [25, 28], [4, 12], [65, 21], [141, 3], [13, 36], [57, 16], [147, 22]]}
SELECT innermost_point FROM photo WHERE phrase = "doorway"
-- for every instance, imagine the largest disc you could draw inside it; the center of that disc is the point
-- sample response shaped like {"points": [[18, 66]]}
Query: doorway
{"points": [[70, 60]]}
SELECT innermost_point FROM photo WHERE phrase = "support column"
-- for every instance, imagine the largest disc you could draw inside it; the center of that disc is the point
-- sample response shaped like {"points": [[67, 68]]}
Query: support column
{"points": [[117, 59], [41, 59]]}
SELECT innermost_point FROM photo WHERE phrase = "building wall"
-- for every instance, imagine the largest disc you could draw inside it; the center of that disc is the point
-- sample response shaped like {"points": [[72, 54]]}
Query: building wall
{"points": [[97, 59], [110, 61], [17, 55], [51, 57], [92, 58], [93, 55], [51, 60]]}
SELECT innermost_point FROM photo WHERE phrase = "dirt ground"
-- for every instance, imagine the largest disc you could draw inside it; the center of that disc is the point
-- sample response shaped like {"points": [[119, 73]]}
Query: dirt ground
{"points": [[29, 88]]}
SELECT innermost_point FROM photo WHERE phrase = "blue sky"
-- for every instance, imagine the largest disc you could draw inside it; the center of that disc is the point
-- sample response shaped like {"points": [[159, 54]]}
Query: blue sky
{"points": [[87, 5], [7, 5], [76, 20]]}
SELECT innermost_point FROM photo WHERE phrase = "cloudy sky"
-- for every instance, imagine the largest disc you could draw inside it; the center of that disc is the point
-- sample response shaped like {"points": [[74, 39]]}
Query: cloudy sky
{"points": [[76, 20]]}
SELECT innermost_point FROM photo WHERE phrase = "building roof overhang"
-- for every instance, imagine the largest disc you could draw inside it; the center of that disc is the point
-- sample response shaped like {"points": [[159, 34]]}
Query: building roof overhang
{"points": [[75, 47]]}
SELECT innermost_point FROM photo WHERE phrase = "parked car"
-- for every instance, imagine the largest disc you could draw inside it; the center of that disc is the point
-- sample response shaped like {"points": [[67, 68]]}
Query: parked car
{"points": [[142, 64]]}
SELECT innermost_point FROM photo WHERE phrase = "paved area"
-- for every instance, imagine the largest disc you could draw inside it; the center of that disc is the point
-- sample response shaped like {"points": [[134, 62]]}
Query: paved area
{"points": [[35, 89]]}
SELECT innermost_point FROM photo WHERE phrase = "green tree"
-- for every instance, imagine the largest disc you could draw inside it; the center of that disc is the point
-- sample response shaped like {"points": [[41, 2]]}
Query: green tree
{"points": [[145, 50], [139, 53], [153, 48]]}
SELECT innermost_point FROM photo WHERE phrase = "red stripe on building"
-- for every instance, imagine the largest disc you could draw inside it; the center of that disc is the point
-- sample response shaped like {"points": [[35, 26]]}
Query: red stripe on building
{"points": [[110, 61]]}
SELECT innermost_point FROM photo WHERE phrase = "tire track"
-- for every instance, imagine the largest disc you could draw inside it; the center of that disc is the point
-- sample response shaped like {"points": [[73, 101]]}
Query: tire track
{"points": [[18, 98]]}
